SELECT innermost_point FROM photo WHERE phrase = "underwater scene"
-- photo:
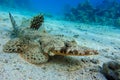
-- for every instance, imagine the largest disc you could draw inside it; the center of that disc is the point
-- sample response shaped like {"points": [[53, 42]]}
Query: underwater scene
{"points": [[59, 39]]}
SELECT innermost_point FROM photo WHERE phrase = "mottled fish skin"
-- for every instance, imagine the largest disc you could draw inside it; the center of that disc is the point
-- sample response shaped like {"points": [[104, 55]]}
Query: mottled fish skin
{"points": [[30, 52], [33, 54], [55, 46], [48, 42], [74, 51], [13, 46]]}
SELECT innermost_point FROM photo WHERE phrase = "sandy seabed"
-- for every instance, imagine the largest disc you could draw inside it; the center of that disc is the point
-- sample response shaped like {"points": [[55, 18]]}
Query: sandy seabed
{"points": [[105, 39]]}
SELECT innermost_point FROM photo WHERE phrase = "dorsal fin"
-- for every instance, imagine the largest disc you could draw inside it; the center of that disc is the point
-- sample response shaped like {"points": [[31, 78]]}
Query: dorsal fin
{"points": [[14, 25], [37, 21], [75, 51]]}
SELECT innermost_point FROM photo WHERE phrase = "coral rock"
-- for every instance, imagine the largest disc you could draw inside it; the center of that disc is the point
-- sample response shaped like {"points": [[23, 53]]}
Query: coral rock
{"points": [[112, 70]]}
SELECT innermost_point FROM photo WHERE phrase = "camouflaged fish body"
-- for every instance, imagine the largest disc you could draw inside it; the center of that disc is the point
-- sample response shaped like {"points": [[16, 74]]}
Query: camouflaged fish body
{"points": [[36, 47], [56, 46]]}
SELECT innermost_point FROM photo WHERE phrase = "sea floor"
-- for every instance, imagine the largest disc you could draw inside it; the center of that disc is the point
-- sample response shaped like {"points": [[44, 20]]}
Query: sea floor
{"points": [[105, 39]]}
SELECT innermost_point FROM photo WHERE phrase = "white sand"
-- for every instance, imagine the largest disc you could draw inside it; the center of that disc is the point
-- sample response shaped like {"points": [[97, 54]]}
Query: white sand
{"points": [[105, 39]]}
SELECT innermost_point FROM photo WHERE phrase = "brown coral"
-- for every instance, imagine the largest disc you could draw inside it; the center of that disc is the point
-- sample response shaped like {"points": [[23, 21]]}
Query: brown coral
{"points": [[37, 22]]}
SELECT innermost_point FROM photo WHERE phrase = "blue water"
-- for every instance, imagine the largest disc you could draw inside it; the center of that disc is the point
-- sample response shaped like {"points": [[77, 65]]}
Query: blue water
{"points": [[95, 11], [49, 6]]}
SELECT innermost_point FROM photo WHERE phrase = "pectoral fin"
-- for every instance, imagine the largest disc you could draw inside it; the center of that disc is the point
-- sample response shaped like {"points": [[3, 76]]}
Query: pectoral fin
{"points": [[34, 55]]}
